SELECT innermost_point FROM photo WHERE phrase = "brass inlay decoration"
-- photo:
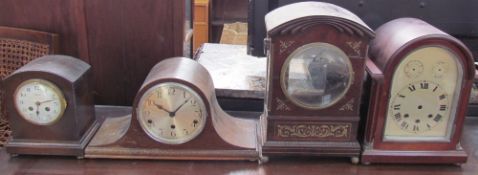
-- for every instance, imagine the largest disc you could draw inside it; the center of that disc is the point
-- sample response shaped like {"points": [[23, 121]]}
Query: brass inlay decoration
{"points": [[281, 106], [284, 45], [355, 46], [313, 130], [349, 106]]}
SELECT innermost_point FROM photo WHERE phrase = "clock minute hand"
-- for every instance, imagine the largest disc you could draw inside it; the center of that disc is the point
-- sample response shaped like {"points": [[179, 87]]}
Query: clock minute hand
{"points": [[177, 109], [46, 101]]}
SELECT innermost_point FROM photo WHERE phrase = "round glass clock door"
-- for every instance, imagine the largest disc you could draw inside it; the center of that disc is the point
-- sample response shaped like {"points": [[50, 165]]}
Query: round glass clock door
{"points": [[424, 95], [171, 113], [39, 101], [316, 75]]}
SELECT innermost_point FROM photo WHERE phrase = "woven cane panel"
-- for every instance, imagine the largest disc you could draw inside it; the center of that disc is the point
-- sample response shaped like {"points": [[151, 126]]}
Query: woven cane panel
{"points": [[13, 55]]}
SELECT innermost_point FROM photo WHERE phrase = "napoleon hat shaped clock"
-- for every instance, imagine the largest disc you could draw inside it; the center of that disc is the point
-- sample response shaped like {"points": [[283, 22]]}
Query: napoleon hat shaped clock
{"points": [[316, 63], [176, 116], [421, 82]]}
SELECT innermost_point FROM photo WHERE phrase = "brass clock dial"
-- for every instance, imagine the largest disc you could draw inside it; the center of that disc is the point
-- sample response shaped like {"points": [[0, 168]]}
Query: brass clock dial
{"points": [[171, 113], [316, 75], [39, 101], [424, 96]]}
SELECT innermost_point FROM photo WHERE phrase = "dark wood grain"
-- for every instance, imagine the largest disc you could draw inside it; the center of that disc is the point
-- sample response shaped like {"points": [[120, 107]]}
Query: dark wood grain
{"points": [[63, 17], [126, 39], [121, 39]]}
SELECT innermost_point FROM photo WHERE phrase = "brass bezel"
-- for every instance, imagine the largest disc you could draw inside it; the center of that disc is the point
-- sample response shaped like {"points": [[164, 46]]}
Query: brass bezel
{"points": [[47, 84]]}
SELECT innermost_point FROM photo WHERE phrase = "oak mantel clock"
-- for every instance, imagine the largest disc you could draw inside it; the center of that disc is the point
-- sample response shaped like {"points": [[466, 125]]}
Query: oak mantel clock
{"points": [[316, 64], [50, 107], [176, 116], [421, 81]]}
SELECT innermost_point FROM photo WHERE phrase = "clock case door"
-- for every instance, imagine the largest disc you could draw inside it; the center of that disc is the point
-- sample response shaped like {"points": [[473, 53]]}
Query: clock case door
{"points": [[72, 132], [223, 138], [288, 129], [389, 48]]}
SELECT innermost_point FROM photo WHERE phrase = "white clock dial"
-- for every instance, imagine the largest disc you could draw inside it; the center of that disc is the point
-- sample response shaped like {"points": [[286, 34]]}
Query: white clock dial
{"points": [[171, 113], [424, 96], [39, 101], [419, 107]]}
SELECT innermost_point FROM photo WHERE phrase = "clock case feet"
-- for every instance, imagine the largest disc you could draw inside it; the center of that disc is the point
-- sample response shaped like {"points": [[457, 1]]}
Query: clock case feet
{"points": [[57, 148], [413, 157]]}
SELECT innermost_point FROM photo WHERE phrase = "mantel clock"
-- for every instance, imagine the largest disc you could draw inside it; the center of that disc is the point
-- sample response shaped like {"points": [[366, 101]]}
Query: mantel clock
{"points": [[50, 107], [316, 63], [421, 81], [176, 116]]}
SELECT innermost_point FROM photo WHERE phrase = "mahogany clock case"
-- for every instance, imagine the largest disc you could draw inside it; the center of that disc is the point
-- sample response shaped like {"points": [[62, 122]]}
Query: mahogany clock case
{"points": [[289, 129], [394, 41], [73, 130], [223, 138]]}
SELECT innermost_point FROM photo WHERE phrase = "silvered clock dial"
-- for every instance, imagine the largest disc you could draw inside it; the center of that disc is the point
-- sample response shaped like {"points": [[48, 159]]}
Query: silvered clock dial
{"points": [[171, 113]]}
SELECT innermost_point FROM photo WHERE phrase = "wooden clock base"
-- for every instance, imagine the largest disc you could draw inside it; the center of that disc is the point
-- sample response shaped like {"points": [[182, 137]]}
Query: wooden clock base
{"points": [[107, 144], [414, 157], [65, 148]]}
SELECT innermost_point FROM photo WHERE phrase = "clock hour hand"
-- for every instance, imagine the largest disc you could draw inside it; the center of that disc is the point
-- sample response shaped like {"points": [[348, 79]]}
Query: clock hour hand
{"points": [[161, 108]]}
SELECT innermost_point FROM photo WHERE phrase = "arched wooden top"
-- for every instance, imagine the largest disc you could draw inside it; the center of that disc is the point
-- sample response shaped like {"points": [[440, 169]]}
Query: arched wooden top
{"points": [[66, 67], [396, 38], [300, 16]]}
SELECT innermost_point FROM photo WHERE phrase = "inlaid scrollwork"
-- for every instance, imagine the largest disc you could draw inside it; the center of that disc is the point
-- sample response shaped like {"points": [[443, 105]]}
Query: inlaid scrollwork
{"points": [[313, 130]]}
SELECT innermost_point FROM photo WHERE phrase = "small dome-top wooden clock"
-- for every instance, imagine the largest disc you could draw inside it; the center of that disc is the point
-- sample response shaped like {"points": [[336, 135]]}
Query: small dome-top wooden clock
{"points": [[50, 107], [421, 82], [176, 116], [316, 64]]}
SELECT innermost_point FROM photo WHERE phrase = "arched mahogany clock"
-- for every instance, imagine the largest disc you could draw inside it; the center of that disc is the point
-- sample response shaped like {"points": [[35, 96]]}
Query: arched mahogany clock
{"points": [[316, 64], [421, 82], [176, 116], [50, 107]]}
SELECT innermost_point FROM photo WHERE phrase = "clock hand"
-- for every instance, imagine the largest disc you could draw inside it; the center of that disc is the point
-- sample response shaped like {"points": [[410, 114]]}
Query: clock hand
{"points": [[46, 101], [161, 108], [38, 108], [177, 109]]}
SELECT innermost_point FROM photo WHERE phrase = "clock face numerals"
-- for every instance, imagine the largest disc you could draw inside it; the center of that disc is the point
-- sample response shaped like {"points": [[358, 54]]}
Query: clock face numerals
{"points": [[39, 101], [419, 107], [316, 75], [423, 96], [414, 68], [171, 113]]}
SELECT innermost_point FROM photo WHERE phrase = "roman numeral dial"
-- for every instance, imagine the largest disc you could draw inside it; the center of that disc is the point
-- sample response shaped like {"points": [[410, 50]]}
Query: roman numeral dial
{"points": [[419, 107]]}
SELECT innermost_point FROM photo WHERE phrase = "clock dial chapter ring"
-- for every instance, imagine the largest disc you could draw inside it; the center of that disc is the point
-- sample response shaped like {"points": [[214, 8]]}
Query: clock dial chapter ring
{"points": [[171, 113], [39, 102], [419, 107]]}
